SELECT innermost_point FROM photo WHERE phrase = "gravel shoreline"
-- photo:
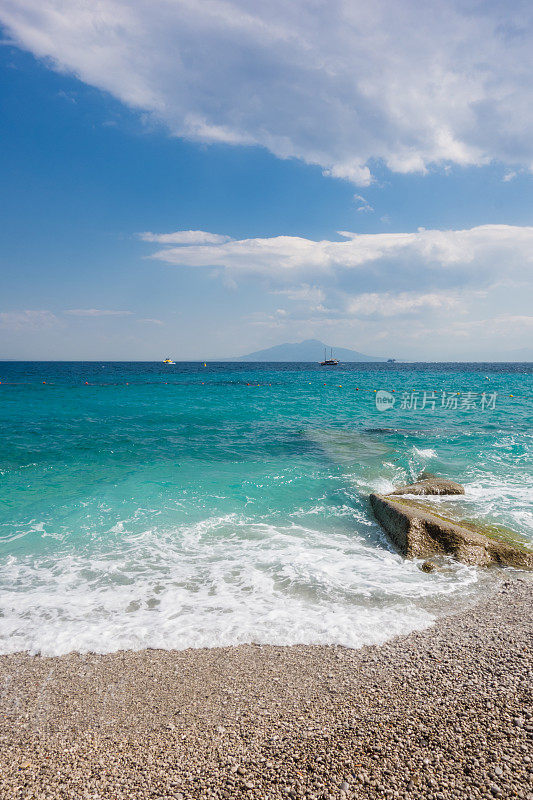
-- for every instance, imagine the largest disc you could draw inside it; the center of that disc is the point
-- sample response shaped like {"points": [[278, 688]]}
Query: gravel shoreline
{"points": [[443, 713]]}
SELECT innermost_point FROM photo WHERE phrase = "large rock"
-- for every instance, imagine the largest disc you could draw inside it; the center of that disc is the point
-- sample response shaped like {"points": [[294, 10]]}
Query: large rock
{"points": [[418, 533], [430, 484]]}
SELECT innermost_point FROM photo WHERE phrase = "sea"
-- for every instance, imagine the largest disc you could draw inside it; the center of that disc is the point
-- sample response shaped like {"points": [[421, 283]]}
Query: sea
{"points": [[211, 504]]}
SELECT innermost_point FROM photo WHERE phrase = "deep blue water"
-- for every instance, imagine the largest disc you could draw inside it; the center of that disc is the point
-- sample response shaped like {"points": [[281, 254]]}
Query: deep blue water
{"points": [[144, 504]]}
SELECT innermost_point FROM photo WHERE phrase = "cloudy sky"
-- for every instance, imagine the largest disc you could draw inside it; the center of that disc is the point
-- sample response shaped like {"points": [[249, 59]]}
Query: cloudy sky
{"points": [[203, 178]]}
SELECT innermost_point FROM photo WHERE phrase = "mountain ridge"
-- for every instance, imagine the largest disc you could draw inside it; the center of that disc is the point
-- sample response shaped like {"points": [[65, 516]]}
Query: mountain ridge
{"points": [[310, 350]]}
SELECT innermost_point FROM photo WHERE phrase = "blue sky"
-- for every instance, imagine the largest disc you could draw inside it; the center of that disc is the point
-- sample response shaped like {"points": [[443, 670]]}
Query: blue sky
{"points": [[110, 150]]}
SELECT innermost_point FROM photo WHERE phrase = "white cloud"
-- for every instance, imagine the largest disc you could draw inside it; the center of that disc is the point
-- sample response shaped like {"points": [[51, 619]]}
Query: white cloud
{"points": [[387, 304], [509, 176], [506, 320], [362, 203], [499, 330], [414, 83], [397, 286], [352, 171], [184, 237], [27, 320], [96, 312], [485, 253], [309, 295], [151, 321]]}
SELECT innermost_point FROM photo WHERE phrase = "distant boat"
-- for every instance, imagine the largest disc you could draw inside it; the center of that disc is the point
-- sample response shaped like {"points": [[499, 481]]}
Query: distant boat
{"points": [[329, 362], [168, 361], [391, 361]]}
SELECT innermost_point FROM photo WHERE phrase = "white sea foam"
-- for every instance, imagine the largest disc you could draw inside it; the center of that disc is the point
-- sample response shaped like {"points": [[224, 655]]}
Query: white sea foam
{"points": [[493, 499], [503, 500], [221, 581], [379, 485], [424, 453]]}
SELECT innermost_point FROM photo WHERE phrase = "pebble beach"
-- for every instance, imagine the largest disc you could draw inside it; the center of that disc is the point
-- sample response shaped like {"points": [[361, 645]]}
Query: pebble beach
{"points": [[442, 713]]}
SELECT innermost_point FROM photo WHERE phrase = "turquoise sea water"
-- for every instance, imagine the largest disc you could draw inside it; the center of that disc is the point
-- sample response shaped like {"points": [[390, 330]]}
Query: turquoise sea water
{"points": [[145, 505]]}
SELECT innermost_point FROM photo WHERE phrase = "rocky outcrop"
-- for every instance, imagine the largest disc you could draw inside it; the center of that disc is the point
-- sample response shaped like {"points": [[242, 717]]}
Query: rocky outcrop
{"points": [[430, 484], [419, 533]]}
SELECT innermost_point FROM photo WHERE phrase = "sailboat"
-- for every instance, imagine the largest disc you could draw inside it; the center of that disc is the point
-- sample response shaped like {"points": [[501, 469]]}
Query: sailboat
{"points": [[329, 362]]}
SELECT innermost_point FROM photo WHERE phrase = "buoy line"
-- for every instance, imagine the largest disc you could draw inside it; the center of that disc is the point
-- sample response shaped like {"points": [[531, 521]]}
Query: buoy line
{"points": [[449, 392]]}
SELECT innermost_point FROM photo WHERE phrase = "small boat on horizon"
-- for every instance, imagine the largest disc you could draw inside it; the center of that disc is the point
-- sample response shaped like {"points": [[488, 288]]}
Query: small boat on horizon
{"points": [[329, 362], [168, 361]]}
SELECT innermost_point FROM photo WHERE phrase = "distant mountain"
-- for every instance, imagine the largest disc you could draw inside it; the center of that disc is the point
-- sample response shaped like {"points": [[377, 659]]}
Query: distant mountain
{"points": [[310, 350]]}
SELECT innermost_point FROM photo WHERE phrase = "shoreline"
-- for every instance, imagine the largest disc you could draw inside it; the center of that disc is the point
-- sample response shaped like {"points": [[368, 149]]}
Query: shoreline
{"points": [[439, 713]]}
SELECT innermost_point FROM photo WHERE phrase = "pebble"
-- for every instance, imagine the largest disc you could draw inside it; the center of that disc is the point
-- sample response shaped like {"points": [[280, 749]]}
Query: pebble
{"points": [[439, 714]]}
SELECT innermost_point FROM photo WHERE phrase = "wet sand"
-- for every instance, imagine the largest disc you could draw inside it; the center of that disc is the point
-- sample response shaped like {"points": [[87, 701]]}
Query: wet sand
{"points": [[443, 713]]}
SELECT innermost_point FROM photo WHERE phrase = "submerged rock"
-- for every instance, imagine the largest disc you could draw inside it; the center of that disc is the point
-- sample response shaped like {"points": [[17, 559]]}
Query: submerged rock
{"points": [[430, 484], [419, 533]]}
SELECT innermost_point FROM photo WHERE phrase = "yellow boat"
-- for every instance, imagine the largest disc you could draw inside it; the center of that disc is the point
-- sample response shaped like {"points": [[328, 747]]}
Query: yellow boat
{"points": [[168, 361]]}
